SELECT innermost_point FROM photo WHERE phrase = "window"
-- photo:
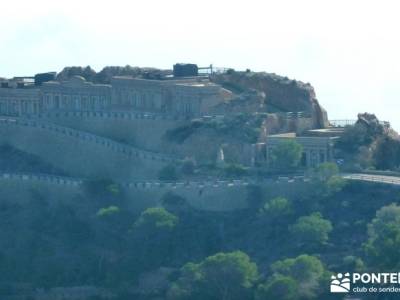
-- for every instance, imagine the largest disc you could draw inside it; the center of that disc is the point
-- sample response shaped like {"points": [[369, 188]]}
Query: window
{"points": [[84, 103], [57, 102], [64, 101]]}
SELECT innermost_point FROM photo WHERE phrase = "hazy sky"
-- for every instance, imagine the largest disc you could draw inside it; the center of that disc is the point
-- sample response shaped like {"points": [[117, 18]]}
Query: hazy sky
{"points": [[348, 50]]}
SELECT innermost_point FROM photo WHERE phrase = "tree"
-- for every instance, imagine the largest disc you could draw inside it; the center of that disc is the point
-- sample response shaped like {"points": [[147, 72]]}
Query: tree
{"points": [[353, 264], [312, 231], [353, 137], [155, 219], [153, 238], [326, 180], [287, 155], [323, 172], [278, 207], [279, 287], [307, 271], [384, 238], [274, 217], [222, 276], [387, 153]]}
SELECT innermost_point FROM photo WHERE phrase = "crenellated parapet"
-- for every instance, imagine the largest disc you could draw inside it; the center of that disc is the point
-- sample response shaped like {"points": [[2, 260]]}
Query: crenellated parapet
{"points": [[157, 184], [107, 115], [45, 178]]}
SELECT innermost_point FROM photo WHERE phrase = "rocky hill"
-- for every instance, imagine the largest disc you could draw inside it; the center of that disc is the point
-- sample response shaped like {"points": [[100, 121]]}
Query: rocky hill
{"points": [[280, 94], [105, 75]]}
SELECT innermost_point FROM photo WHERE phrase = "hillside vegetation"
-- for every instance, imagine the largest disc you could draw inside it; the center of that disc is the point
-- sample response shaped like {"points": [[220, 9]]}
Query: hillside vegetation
{"points": [[369, 144], [175, 252]]}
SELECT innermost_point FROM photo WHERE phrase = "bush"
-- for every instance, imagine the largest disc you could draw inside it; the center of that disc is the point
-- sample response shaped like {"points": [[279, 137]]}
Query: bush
{"points": [[108, 211]]}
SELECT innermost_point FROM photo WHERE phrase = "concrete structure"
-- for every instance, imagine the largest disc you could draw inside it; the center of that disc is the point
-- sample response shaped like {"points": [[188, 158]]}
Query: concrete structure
{"points": [[183, 96], [19, 101], [316, 149], [74, 95], [140, 129], [79, 153]]}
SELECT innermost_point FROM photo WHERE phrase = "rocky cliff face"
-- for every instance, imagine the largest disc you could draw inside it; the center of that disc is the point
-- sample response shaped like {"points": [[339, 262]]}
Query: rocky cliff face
{"points": [[281, 94]]}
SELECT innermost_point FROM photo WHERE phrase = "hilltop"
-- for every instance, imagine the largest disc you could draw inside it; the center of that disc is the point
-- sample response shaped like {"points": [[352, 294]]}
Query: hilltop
{"points": [[139, 183]]}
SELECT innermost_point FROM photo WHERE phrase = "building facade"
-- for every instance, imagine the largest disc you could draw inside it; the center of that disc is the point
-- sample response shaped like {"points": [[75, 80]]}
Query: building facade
{"points": [[19, 101], [74, 95], [315, 150], [184, 96]]}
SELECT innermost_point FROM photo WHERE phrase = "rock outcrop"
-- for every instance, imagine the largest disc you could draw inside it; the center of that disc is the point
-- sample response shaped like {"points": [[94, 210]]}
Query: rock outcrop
{"points": [[281, 94], [376, 127], [105, 75]]}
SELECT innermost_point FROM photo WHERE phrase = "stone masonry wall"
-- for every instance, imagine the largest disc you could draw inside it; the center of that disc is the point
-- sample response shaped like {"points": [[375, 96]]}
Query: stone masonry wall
{"points": [[216, 195], [143, 130], [81, 154]]}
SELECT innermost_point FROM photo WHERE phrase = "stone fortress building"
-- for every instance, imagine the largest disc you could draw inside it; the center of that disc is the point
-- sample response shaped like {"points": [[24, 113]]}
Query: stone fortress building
{"points": [[80, 105], [186, 96]]}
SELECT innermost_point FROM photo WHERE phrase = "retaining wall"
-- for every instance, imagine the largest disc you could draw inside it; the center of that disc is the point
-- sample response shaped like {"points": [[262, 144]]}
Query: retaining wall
{"points": [[81, 154], [143, 130], [211, 196], [218, 195]]}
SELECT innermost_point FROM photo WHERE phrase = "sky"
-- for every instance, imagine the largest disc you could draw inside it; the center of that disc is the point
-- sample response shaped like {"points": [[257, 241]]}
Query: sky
{"points": [[348, 50]]}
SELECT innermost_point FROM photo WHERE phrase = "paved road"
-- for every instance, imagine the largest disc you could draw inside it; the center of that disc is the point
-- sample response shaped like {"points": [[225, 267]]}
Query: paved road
{"points": [[373, 178], [393, 180]]}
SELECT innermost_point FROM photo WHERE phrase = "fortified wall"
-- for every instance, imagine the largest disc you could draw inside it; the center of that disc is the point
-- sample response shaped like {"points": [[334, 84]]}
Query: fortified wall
{"points": [[218, 195], [116, 131], [139, 129], [79, 153]]}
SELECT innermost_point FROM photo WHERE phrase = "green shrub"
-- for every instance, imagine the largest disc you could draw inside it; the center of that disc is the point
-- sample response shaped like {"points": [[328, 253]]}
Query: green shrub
{"points": [[108, 211]]}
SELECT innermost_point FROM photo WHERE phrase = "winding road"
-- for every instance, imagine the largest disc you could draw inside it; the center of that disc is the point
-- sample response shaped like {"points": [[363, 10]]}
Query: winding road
{"points": [[61, 180], [394, 180]]}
